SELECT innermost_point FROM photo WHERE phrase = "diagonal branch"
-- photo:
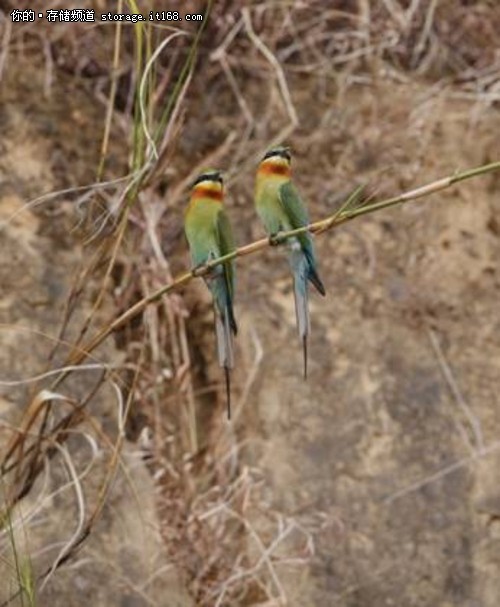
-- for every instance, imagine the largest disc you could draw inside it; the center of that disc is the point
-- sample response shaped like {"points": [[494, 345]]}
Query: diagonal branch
{"points": [[349, 210]]}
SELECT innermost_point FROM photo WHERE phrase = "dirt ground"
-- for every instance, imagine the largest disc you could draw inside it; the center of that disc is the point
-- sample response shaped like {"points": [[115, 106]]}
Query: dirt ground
{"points": [[372, 483]]}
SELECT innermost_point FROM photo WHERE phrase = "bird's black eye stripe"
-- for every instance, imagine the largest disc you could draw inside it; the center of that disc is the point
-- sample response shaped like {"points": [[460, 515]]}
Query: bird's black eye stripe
{"points": [[198, 180], [282, 152], [207, 177]]}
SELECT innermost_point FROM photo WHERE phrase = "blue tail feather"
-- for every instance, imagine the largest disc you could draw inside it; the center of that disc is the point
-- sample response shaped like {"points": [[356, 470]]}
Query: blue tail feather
{"points": [[312, 273], [225, 326]]}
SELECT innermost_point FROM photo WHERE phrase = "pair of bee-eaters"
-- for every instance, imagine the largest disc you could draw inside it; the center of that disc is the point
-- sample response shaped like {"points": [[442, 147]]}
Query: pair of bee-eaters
{"points": [[209, 235]]}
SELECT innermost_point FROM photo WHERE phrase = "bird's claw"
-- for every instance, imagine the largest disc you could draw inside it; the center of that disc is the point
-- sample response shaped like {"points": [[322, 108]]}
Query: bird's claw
{"points": [[200, 269], [274, 239]]}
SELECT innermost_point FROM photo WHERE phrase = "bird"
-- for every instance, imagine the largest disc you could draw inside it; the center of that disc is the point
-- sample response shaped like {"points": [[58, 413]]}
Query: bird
{"points": [[210, 236], [280, 208]]}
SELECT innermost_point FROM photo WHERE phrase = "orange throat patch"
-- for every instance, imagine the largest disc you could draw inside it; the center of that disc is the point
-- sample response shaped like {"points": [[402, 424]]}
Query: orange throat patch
{"points": [[207, 192], [274, 168]]}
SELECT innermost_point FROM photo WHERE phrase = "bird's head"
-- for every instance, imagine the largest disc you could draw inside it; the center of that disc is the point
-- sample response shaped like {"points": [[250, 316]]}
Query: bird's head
{"points": [[277, 161], [208, 185]]}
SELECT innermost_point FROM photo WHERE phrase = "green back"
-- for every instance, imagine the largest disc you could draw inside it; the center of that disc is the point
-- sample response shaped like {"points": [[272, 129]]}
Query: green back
{"points": [[226, 244], [296, 213]]}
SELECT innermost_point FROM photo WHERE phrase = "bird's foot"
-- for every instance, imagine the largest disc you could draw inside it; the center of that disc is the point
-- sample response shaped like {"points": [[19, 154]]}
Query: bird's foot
{"points": [[200, 270], [275, 239]]}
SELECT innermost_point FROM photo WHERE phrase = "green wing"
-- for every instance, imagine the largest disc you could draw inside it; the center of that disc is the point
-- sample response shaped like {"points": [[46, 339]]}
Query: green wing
{"points": [[295, 211], [298, 217], [226, 245]]}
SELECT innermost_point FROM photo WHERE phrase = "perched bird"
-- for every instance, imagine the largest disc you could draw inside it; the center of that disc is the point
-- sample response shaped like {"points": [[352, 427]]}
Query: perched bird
{"points": [[280, 208], [209, 235]]}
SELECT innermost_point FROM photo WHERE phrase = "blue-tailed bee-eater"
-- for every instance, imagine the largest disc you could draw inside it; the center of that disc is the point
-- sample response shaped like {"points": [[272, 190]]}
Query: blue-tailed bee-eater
{"points": [[281, 208], [209, 235]]}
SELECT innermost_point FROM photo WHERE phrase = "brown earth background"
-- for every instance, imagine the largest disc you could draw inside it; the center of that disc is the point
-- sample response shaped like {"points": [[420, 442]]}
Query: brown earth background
{"points": [[373, 483]]}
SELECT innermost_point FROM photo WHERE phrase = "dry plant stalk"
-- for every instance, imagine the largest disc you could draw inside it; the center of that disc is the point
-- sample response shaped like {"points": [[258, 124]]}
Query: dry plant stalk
{"points": [[224, 508], [29, 457], [350, 210]]}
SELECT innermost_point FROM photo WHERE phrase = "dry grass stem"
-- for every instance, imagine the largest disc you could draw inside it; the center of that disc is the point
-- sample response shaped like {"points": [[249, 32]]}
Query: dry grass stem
{"points": [[318, 227]]}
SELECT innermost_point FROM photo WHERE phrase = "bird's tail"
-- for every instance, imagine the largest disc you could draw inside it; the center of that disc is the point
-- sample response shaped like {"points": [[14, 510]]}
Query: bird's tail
{"points": [[225, 326], [225, 351], [312, 273], [300, 270]]}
